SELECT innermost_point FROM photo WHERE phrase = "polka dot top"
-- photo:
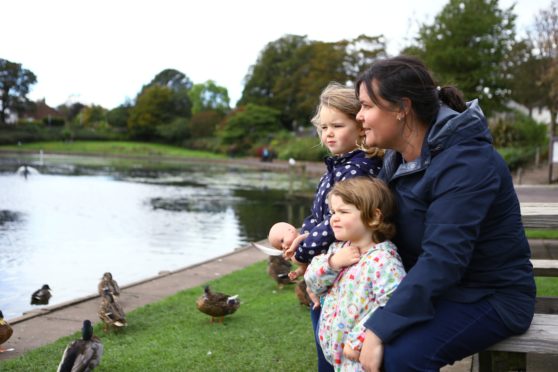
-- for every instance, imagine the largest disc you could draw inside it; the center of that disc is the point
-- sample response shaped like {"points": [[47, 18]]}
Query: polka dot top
{"points": [[352, 164]]}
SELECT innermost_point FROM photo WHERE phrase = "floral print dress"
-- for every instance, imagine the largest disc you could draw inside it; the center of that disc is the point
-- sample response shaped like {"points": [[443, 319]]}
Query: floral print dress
{"points": [[350, 296]]}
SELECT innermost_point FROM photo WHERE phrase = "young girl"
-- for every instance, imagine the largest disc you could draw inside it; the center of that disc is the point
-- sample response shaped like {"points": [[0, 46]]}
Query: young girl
{"points": [[360, 272], [341, 133]]}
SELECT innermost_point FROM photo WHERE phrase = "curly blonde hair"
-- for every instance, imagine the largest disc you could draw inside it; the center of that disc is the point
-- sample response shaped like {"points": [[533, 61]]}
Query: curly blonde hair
{"points": [[375, 201], [343, 99]]}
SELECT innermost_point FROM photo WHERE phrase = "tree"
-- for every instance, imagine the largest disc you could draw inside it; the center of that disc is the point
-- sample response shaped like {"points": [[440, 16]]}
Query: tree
{"points": [[545, 39], [468, 45], [118, 116], [154, 106], [527, 72], [179, 84], [93, 115], [248, 125], [209, 97], [291, 72], [15, 82]]}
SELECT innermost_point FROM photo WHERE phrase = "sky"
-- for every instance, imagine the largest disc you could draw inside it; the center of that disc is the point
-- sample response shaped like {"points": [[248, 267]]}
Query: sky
{"points": [[102, 52]]}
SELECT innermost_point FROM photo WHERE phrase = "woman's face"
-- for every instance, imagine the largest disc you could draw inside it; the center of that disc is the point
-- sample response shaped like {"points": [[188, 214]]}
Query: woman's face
{"points": [[381, 127]]}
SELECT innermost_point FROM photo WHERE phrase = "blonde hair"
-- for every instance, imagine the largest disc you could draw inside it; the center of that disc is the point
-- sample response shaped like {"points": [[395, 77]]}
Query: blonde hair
{"points": [[375, 201], [343, 99]]}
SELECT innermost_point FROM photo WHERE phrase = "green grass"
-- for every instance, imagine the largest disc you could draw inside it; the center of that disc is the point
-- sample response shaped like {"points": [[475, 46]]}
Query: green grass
{"points": [[269, 332], [113, 148], [541, 234]]}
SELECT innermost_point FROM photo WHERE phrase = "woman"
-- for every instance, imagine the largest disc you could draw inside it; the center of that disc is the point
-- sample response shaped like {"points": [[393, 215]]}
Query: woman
{"points": [[470, 282]]}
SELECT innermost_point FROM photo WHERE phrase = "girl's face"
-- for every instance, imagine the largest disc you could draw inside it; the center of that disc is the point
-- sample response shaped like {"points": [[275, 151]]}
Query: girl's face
{"points": [[339, 132], [346, 221], [381, 127]]}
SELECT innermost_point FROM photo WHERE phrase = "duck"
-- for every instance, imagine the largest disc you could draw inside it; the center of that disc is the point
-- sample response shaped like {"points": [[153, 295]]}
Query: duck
{"points": [[216, 304], [278, 268], [302, 294], [6, 331], [84, 354], [41, 296], [108, 282], [110, 312]]}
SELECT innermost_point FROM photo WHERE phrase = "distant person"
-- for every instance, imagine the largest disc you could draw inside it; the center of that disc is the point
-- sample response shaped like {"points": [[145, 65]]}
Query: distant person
{"points": [[469, 280], [340, 133], [360, 271]]}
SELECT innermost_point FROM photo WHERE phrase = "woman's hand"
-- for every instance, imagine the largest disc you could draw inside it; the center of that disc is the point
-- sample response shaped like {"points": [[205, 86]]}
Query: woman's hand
{"points": [[372, 352], [350, 353], [344, 257]]}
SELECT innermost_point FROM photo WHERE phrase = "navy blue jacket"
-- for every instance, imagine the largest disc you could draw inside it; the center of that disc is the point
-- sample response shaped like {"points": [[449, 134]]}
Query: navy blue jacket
{"points": [[459, 229], [353, 164]]}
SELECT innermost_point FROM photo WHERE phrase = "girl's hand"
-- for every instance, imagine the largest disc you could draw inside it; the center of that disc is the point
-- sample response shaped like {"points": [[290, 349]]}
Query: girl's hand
{"points": [[351, 353], [315, 299], [372, 352], [344, 257], [289, 253]]}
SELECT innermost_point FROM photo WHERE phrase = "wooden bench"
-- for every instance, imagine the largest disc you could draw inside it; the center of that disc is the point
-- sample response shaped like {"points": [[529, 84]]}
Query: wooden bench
{"points": [[542, 335]]}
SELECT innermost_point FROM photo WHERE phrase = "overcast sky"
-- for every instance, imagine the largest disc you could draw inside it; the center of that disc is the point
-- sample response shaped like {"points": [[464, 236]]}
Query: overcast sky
{"points": [[103, 51]]}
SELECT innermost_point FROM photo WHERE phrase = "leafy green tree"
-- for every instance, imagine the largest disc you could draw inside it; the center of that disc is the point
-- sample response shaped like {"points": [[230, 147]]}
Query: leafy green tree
{"points": [[70, 111], [204, 123], [180, 85], [15, 82], [545, 39], [248, 125], [154, 106], [469, 45], [527, 72], [209, 97], [93, 115], [118, 116], [291, 72]]}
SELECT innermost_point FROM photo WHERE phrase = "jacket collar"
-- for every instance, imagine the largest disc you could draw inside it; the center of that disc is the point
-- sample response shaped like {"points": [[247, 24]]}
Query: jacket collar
{"points": [[334, 161], [449, 128]]}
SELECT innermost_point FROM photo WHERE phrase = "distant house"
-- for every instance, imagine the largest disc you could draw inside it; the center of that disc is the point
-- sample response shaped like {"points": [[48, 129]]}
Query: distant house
{"points": [[40, 111], [541, 114]]}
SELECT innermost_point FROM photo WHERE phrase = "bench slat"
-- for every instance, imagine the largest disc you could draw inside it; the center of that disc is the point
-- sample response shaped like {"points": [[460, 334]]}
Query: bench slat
{"points": [[545, 267], [542, 337]]}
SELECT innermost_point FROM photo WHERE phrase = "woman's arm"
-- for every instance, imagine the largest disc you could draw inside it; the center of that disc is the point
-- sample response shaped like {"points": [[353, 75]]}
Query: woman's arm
{"points": [[458, 188]]}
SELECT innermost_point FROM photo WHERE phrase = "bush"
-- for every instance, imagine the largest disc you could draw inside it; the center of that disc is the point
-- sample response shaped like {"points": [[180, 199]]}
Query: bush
{"points": [[305, 148], [518, 129]]}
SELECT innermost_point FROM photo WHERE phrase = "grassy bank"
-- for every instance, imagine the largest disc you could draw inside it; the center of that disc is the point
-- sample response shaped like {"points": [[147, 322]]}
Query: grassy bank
{"points": [[113, 148], [270, 331]]}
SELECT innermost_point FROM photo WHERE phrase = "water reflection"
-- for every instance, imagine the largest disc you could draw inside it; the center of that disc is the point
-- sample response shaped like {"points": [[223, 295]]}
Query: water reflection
{"points": [[70, 224]]}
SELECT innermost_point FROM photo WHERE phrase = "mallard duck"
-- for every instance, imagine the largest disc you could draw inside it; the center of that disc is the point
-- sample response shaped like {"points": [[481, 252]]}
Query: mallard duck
{"points": [[301, 293], [41, 296], [84, 354], [216, 304], [278, 268], [5, 331], [108, 282], [111, 312]]}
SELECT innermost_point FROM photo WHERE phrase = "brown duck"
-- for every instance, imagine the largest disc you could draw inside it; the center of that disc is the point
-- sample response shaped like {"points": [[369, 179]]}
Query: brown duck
{"points": [[301, 294], [216, 304], [5, 332], [278, 268], [111, 312], [108, 282]]}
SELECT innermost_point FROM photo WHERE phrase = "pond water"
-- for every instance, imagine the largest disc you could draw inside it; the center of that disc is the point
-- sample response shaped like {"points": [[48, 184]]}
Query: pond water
{"points": [[80, 217]]}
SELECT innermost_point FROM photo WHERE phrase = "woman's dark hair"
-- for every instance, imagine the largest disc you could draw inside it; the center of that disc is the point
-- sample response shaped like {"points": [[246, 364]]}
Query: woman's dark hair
{"points": [[407, 77]]}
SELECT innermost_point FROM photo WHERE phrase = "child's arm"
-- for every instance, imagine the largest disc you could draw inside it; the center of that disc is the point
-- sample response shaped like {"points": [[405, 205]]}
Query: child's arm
{"points": [[300, 270], [288, 254], [383, 273]]}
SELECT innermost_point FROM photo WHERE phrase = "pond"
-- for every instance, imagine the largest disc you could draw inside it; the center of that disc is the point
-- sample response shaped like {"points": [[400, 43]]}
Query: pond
{"points": [[75, 218]]}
